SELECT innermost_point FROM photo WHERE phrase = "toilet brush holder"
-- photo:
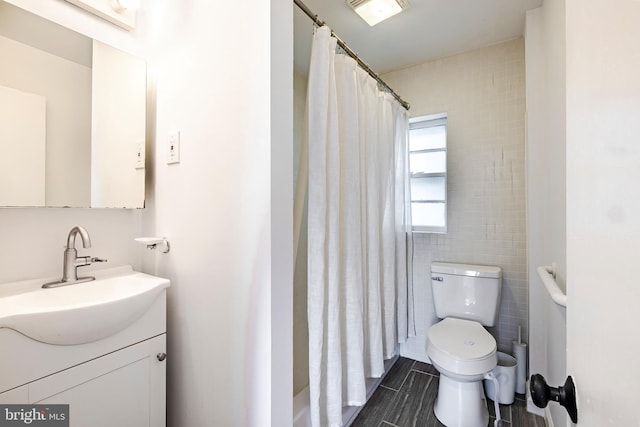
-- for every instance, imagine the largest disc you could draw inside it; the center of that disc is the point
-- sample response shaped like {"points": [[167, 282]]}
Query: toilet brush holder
{"points": [[520, 353]]}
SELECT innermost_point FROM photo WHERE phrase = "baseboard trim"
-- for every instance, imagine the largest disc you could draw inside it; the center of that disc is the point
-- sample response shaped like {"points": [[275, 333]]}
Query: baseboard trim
{"points": [[533, 409], [420, 357], [547, 417]]}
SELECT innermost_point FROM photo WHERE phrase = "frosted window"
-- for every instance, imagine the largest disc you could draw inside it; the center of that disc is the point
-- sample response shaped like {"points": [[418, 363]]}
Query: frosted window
{"points": [[428, 138], [428, 173], [429, 162], [428, 214], [428, 188]]}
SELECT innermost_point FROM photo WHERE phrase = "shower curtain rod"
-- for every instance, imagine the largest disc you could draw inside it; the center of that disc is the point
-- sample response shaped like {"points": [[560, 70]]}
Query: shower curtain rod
{"points": [[351, 53]]}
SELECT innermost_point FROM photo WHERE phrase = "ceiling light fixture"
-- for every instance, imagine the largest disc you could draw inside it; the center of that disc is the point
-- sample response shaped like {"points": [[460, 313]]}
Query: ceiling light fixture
{"points": [[376, 11]]}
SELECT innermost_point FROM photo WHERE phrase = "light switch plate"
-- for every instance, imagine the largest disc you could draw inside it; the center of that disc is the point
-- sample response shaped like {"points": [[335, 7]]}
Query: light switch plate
{"points": [[173, 149]]}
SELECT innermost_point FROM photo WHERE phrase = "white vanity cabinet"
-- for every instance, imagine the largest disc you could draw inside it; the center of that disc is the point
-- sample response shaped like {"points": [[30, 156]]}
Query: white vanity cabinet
{"points": [[123, 388], [119, 380]]}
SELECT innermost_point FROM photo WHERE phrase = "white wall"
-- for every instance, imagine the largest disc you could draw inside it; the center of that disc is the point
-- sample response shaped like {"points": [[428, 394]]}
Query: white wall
{"points": [[33, 239], [300, 324], [279, 337], [223, 79], [482, 92], [603, 208], [225, 207], [546, 112], [586, 97]]}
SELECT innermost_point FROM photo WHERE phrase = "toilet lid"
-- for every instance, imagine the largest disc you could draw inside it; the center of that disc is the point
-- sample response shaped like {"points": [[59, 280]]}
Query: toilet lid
{"points": [[463, 340]]}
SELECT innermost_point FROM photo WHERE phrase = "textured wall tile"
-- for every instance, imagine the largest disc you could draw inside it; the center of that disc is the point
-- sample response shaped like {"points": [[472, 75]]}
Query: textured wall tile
{"points": [[483, 93]]}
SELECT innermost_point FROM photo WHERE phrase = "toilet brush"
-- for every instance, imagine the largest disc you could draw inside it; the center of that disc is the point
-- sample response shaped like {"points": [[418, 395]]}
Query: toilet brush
{"points": [[520, 353]]}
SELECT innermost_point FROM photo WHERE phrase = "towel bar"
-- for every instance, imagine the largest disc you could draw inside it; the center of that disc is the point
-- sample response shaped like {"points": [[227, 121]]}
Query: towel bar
{"points": [[559, 297]]}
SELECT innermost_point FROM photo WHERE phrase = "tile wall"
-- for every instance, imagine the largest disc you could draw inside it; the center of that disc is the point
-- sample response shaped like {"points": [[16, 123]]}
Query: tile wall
{"points": [[483, 93]]}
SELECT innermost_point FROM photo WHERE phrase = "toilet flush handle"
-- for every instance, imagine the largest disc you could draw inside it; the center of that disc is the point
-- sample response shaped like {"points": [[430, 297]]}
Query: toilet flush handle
{"points": [[437, 278]]}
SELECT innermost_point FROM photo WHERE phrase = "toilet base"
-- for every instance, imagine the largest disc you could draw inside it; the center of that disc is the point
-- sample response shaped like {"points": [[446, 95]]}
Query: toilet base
{"points": [[461, 404]]}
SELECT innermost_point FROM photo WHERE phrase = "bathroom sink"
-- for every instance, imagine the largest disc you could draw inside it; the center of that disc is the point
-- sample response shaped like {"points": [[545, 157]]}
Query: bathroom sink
{"points": [[82, 312]]}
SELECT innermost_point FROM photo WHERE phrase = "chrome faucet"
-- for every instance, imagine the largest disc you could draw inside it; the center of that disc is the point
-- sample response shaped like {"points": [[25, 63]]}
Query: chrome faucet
{"points": [[72, 261]]}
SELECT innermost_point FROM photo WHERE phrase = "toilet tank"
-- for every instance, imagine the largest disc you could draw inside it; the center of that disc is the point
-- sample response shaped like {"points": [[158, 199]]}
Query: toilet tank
{"points": [[466, 291]]}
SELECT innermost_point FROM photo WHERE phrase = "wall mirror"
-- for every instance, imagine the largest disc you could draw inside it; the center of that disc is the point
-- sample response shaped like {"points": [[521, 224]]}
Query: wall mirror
{"points": [[72, 117]]}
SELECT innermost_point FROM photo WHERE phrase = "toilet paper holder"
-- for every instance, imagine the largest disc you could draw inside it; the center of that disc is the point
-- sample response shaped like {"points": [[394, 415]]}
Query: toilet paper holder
{"points": [[565, 395], [153, 242]]}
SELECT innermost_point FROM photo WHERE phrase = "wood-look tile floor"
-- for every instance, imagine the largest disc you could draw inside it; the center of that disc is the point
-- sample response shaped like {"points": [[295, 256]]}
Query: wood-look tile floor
{"points": [[406, 396]]}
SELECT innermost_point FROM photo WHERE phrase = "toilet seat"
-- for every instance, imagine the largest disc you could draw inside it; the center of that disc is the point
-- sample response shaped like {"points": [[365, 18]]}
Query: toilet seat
{"points": [[461, 346]]}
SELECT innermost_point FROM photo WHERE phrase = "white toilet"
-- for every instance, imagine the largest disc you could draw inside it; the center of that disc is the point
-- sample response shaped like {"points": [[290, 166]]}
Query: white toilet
{"points": [[466, 297]]}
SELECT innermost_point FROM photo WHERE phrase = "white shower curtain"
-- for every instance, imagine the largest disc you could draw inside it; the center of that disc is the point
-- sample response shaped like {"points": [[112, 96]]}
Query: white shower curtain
{"points": [[357, 227]]}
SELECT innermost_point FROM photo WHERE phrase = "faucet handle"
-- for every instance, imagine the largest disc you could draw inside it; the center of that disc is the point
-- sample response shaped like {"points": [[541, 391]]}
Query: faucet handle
{"points": [[97, 260]]}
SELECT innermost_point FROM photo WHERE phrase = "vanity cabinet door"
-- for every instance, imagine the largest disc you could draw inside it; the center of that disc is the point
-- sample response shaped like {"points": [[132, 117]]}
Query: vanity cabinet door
{"points": [[125, 388]]}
